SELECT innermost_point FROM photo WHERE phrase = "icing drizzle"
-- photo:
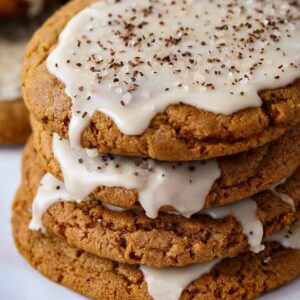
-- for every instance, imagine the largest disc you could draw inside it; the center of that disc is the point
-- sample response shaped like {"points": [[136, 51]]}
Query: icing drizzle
{"points": [[168, 283], [245, 211], [52, 190], [284, 197], [131, 59], [184, 186], [287, 238]]}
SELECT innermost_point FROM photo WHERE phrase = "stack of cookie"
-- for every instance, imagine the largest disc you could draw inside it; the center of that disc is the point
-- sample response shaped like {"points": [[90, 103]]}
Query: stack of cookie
{"points": [[163, 162], [18, 21]]}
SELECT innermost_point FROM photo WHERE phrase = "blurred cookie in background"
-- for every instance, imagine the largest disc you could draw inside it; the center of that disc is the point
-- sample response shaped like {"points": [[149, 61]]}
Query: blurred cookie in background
{"points": [[14, 125], [14, 36]]}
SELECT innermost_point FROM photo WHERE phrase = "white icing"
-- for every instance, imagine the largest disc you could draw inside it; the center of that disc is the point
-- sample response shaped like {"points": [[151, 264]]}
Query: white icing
{"points": [[184, 186], [245, 212], [168, 283], [199, 55], [50, 191], [284, 197], [287, 238], [113, 207], [267, 259]]}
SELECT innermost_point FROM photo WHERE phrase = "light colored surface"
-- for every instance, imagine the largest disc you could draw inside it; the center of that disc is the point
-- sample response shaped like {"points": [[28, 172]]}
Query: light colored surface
{"points": [[17, 278]]}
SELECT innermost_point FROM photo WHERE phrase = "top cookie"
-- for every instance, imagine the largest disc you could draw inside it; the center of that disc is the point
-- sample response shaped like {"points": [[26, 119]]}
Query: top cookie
{"points": [[172, 80]]}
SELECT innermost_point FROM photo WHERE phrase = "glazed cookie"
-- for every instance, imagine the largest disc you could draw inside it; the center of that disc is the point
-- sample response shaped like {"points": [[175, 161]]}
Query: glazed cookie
{"points": [[230, 178], [244, 277], [164, 91], [131, 237]]}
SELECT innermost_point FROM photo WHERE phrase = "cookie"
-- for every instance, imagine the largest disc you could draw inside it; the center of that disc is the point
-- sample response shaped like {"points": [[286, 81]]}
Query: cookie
{"points": [[241, 175], [244, 277], [179, 131], [14, 118], [14, 122], [131, 237]]}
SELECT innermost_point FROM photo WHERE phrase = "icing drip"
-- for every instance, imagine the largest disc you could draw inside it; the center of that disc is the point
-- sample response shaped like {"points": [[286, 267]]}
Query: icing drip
{"points": [[285, 198], [287, 238], [184, 186], [131, 59], [113, 207], [50, 191], [168, 283], [245, 212]]}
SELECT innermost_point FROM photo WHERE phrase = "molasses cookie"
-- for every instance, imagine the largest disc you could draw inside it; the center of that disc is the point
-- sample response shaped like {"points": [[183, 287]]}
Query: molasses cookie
{"points": [[168, 240], [245, 276], [182, 84], [228, 179]]}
